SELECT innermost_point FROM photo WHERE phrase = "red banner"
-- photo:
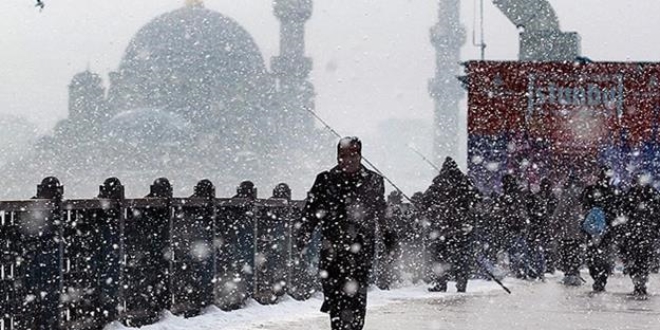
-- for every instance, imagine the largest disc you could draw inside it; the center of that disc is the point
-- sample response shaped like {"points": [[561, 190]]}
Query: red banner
{"points": [[537, 120], [575, 107]]}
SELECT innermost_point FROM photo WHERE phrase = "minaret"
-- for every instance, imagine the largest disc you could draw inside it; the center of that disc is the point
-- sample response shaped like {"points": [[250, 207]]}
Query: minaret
{"points": [[291, 69], [86, 98], [194, 3], [447, 37]]}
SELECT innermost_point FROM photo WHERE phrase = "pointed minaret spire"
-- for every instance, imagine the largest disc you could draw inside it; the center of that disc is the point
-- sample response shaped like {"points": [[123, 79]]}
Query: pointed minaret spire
{"points": [[447, 36], [194, 3], [292, 68]]}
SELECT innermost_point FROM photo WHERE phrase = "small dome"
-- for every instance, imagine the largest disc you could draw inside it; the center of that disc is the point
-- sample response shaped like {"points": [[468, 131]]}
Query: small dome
{"points": [[149, 127]]}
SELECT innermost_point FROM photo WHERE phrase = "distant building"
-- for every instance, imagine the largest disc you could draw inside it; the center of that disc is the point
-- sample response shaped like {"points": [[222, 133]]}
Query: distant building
{"points": [[192, 99]]}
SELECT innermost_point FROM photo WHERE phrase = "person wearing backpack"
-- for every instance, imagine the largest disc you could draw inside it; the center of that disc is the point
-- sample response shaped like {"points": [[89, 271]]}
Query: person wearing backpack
{"points": [[450, 200], [641, 206], [599, 200]]}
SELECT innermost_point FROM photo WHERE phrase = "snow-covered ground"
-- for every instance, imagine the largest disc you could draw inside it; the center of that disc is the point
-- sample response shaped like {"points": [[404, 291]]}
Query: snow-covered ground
{"points": [[256, 316], [532, 305]]}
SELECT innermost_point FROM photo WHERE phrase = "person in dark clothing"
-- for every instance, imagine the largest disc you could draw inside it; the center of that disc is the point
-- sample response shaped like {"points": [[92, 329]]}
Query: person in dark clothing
{"points": [[486, 238], [641, 207], [511, 214], [348, 203], [388, 272], [449, 200], [491, 229], [599, 251], [541, 207], [419, 244], [568, 216]]}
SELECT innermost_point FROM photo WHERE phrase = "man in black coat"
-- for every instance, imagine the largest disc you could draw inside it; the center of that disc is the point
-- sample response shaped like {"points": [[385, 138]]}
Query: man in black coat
{"points": [[449, 200], [512, 225], [541, 207], [388, 271], [568, 217], [348, 203], [641, 206], [599, 252]]}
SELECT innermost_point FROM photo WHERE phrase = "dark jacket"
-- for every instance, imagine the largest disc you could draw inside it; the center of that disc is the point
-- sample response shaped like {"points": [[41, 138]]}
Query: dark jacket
{"points": [[347, 208], [641, 207], [541, 208], [510, 211], [568, 215], [600, 195], [399, 216], [449, 200]]}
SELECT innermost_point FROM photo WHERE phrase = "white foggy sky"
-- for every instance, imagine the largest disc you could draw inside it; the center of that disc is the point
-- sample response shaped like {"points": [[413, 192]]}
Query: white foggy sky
{"points": [[380, 48]]}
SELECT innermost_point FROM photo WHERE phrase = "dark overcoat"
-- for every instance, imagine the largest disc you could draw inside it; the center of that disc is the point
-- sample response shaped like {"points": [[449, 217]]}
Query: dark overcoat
{"points": [[347, 209]]}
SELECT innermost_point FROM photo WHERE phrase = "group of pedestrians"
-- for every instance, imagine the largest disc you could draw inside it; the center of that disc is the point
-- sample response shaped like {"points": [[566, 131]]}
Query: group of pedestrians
{"points": [[452, 231], [540, 232]]}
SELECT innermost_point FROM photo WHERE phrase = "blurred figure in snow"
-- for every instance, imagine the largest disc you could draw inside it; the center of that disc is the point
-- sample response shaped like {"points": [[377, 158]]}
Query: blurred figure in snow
{"points": [[600, 195], [449, 201], [568, 218], [541, 208], [510, 210], [387, 270], [641, 208]]}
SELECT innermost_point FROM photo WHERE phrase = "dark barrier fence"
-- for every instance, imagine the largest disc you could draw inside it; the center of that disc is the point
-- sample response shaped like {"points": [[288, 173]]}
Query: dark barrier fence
{"points": [[80, 264]]}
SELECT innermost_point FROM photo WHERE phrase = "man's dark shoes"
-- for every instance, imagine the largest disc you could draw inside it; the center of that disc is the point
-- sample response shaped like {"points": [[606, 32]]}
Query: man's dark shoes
{"points": [[438, 288], [598, 287]]}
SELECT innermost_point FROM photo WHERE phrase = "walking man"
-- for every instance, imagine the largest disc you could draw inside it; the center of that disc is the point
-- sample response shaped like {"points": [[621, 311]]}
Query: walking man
{"points": [[641, 207], [541, 208], [348, 203], [450, 200], [511, 212], [600, 195], [568, 217]]}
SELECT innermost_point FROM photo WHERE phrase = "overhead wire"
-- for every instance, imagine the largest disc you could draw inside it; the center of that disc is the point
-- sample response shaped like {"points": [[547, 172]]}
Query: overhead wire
{"points": [[366, 160]]}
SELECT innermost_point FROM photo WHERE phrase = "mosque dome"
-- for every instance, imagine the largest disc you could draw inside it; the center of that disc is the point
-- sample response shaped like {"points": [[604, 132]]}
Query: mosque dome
{"points": [[148, 127], [191, 60]]}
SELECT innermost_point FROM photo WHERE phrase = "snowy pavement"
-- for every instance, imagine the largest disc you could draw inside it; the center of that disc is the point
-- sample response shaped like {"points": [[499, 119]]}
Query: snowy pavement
{"points": [[533, 305]]}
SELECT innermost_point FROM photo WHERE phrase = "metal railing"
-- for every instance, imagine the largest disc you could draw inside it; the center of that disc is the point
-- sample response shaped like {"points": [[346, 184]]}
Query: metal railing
{"points": [[80, 264]]}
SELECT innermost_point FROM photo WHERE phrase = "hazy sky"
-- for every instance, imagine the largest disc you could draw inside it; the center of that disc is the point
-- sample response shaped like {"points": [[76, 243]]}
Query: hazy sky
{"points": [[372, 58]]}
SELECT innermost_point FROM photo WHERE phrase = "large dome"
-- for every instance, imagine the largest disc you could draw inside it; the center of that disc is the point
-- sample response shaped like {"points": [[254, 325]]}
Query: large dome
{"points": [[195, 35], [191, 60]]}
